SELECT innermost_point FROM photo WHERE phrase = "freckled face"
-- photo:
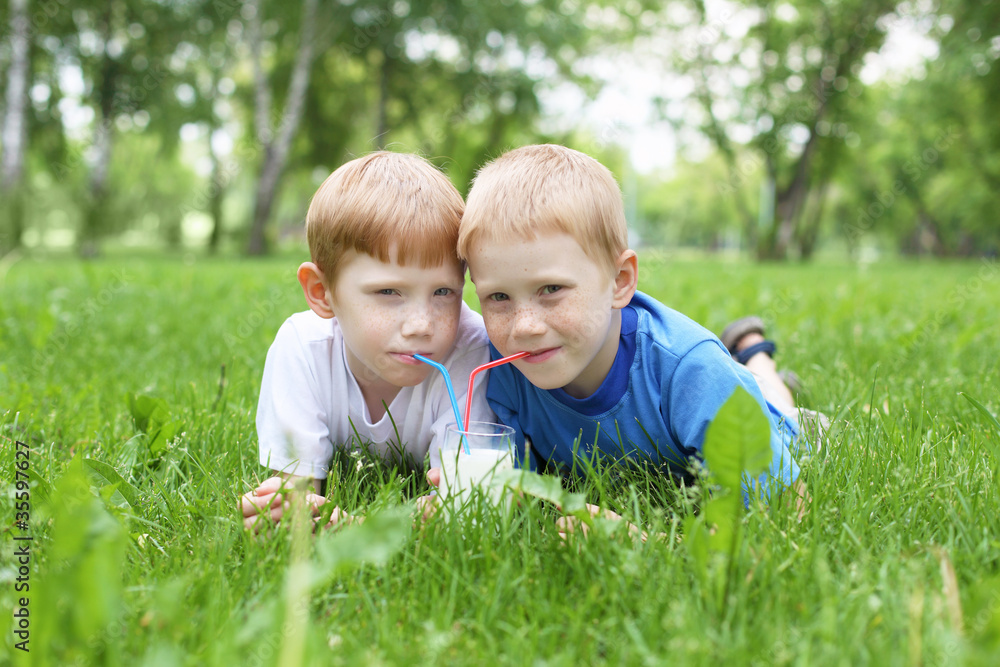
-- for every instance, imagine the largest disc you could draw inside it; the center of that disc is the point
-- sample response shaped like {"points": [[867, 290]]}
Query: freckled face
{"points": [[388, 312], [548, 297]]}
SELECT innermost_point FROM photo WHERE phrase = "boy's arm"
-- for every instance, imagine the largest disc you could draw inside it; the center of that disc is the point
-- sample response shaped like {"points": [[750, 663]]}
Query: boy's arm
{"points": [[295, 480], [702, 382], [292, 431], [292, 413]]}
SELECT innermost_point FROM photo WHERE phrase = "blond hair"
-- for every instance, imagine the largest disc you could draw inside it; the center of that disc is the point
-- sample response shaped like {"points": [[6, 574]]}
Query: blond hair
{"points": [[546, 189], [380, 202]]}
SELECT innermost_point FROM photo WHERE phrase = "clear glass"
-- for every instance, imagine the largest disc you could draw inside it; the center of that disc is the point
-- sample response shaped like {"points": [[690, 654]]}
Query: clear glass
{"points": [[491, 449]]}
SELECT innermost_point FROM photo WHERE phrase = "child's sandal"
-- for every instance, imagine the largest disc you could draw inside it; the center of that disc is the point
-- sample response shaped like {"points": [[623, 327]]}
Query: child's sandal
{"points": [[734, 333]]}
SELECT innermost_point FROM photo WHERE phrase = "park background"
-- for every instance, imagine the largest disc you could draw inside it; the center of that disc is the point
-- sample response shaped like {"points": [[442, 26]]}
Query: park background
{"points": [[779, 129], [833, 167]]}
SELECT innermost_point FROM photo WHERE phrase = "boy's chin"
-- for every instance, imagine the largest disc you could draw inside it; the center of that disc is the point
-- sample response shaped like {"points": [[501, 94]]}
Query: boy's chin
{"points": [[402, 381], [546, 382], [409, 378]]}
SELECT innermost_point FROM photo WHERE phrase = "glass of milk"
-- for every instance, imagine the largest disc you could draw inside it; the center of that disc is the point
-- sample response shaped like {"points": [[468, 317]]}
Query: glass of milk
{"points": [[490, 449]]}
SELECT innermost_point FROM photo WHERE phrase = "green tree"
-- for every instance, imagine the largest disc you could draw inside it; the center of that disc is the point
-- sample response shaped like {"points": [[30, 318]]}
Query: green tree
{"points": [[276, 141], [131, 58], [442, 77], [683, 207], [13, 129], [928, 177], [773, 97]]}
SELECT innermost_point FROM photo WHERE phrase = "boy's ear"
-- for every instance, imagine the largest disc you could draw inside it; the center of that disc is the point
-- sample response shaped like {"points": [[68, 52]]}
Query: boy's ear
{"points": [[627, 278], [314, 285]]}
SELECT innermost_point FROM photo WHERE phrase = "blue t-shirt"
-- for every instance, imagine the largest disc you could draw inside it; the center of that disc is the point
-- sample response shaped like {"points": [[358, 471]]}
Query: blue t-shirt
{"points": [[668, 381]]}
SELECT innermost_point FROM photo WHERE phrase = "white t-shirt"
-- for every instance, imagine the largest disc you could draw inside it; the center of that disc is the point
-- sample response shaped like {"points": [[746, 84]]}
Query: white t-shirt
{"points": [[310, 401]]}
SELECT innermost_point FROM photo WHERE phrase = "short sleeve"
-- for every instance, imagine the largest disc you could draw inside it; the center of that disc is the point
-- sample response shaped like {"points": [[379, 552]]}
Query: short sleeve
{"points": [[703, 381], [292, 430]]}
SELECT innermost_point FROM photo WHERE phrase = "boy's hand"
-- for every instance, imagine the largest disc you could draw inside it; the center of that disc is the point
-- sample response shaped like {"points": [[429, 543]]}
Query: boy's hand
{"points": [[572, 524], [802, 499], [269, 501], [427, 505], [339, 518]]}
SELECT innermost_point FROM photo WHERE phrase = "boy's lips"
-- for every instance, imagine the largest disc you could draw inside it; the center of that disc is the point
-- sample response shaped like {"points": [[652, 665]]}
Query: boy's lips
{"points": [[407, 357], [539, 356]]}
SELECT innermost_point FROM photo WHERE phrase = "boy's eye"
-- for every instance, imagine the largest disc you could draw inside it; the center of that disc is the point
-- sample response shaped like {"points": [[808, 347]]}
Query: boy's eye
{"points": [[551, 289], [443, 291], [386, 292], [498, 296]]}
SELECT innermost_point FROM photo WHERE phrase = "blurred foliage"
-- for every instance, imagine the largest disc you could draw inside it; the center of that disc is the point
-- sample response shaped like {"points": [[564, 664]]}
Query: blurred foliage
{"points": [[141, 117], [804, 151]]}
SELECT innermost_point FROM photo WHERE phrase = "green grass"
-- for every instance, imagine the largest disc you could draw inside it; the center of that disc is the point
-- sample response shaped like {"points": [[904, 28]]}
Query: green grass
{"points": [[897, 560]]}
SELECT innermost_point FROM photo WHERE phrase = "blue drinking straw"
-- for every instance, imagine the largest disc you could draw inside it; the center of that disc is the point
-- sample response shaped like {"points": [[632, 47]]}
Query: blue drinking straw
{"points": [[451, 395]]}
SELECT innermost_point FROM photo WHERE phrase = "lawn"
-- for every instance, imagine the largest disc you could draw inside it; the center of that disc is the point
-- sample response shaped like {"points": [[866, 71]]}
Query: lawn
{"points": [[133, 386]]}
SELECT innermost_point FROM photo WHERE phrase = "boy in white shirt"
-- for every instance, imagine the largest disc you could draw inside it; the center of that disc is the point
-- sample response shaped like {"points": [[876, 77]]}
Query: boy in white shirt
{"points": [[384, 283]]}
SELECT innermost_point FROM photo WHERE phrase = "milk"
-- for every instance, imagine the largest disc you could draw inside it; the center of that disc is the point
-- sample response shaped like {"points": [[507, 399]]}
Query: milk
{"points": [[460, 472]]}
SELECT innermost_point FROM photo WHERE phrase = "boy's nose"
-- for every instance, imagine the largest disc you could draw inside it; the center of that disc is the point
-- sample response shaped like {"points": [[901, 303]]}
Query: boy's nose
{"points": [[418, 322], [527, 323]]}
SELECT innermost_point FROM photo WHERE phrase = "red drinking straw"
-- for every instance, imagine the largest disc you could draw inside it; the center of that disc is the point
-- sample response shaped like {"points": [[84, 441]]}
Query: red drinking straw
{"points": [[472, 378]]}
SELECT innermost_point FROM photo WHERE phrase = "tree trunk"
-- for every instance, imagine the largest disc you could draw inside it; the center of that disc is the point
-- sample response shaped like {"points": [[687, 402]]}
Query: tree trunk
{"points": [[277, 144], [809, 231], [217, 191], [14, 134], [95, 209], [215, 204], [929, 235], [791, 200], [263, 202]]}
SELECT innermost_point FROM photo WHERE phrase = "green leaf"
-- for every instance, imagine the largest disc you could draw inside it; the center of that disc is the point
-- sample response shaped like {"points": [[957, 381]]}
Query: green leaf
{"points": [[147, 411], [42, 490], [544, 487], [86, 560], [989, 418], [152, 416], [982, 408], [724, 511], [696, 541], [111, 478], [159, 439], [738, 440], [374, 542]]}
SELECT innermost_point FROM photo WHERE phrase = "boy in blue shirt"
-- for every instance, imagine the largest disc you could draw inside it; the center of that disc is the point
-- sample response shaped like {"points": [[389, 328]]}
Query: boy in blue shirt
{"points": [[611, 371]]}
